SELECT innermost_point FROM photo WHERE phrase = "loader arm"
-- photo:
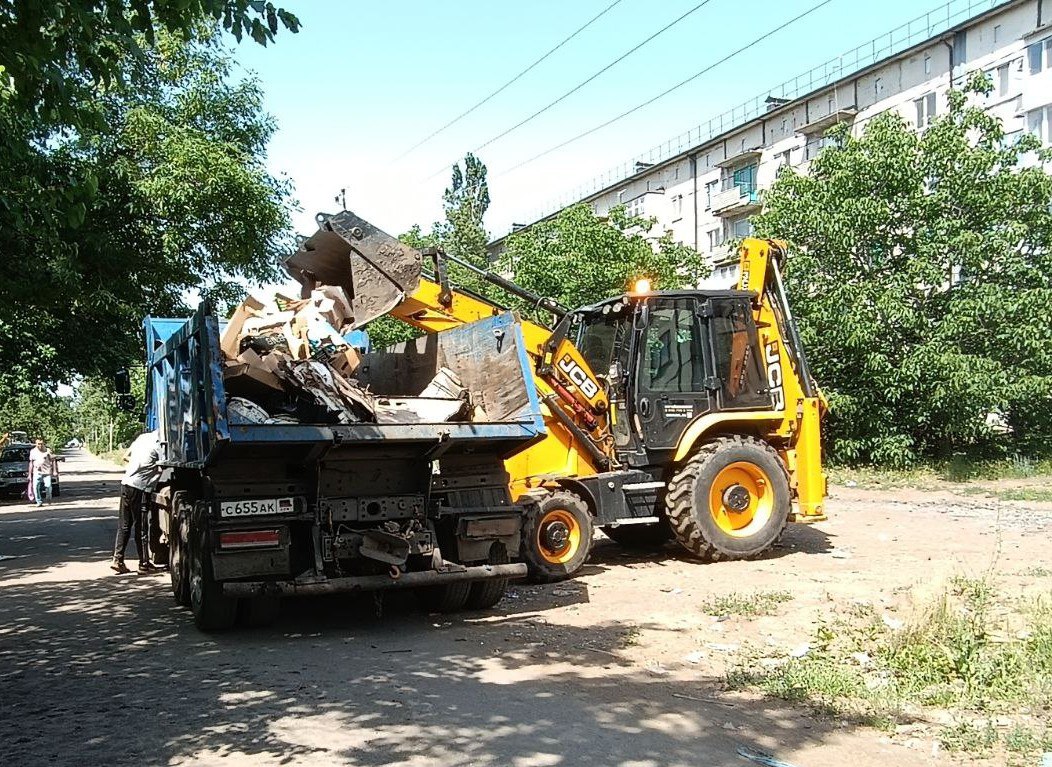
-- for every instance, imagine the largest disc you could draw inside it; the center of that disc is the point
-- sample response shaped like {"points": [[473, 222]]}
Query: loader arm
{"points": [[788, 374], [382, 275]]}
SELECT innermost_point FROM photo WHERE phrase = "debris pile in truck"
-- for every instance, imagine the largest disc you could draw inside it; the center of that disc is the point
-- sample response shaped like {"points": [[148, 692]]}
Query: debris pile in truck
{"points": [[287, 361]]}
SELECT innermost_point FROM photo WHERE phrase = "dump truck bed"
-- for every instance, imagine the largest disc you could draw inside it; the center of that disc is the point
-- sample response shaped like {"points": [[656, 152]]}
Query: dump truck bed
{"points": [[489, 356]]}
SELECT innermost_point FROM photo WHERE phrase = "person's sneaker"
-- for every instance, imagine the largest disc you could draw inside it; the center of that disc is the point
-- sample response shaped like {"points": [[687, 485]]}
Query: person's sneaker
{"points": [[119, 567], [147, 568]]}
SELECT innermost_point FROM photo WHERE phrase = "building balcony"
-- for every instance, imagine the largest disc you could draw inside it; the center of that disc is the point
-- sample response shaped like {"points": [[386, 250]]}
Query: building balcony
{"points": [[736, 199]]}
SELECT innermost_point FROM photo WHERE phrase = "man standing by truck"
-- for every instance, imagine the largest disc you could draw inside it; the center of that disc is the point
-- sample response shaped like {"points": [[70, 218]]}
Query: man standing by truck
{"points": [[143, 457]]}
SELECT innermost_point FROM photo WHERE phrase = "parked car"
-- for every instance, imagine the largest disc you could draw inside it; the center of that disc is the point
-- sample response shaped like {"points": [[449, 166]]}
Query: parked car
{"points": [[14, 471]]}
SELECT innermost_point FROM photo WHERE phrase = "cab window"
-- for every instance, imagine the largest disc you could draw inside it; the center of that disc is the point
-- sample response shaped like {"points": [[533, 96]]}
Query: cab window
{"points": [[673, 360]]}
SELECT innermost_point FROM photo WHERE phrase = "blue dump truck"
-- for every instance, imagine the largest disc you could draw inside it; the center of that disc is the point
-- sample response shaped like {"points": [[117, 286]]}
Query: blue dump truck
{"points": [[250, 511]]}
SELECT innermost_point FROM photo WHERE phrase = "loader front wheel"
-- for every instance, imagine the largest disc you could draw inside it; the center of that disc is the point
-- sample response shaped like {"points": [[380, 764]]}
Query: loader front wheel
{"points": [[730, 500], [557, 537]]}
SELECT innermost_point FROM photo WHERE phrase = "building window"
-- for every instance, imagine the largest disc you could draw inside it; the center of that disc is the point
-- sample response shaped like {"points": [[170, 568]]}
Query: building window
{"points": [[677, 206], [739, 228], [621, 195], [816, 144], [1038, 121], [927, 63], [878, 88], [925, 109], [710, 189], [785, 127], [744, 178], [1039, 55], [829, 104], [635, 207], [784, 158], [997, 33], [715, 237], [1001, 79]]}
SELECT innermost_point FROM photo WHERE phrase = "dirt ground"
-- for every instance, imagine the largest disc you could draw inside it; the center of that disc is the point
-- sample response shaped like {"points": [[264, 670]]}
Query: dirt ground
{"points": [[620, 666]]}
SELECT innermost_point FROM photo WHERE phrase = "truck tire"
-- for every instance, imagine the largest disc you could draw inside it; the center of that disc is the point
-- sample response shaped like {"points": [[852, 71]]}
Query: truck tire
{"points": [[259, 611], [212, 611], [557, 537], [178, 563], [640, 536], [485, 594], [730, 500], [448, 598]]}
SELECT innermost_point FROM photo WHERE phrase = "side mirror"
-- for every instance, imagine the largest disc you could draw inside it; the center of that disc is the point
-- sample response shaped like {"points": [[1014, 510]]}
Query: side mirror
{"points": [[122, 382], [126, 403], [642, 318]]}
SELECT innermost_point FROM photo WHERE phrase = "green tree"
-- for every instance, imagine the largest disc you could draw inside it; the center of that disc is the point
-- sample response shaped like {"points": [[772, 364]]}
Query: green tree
{"points": [[57, 52], [466, 201], [921, 275], [40, 414], [579, 258], [172, 196]]}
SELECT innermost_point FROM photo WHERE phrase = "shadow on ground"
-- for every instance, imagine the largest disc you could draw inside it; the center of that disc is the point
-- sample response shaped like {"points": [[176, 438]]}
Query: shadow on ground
{"points": [[99, 669]]}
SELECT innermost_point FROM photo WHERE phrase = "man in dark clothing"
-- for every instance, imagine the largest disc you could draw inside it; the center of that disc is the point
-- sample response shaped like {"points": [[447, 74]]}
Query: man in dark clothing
{"points": [[143, 457]]}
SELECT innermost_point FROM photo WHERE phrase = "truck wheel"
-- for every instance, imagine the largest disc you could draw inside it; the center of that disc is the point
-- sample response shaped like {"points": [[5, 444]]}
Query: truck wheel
{"points": [[484, 594], [557, 537], [730, 500], [212, 611], [178, 564], [640, 536], [259, 611], [448, 598]]}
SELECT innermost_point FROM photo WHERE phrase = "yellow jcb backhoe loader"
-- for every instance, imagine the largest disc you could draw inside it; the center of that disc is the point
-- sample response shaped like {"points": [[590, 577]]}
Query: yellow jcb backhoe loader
{"points": [[687, 414]]}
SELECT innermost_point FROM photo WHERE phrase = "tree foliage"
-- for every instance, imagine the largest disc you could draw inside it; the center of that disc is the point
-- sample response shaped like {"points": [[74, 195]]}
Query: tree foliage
{"points": [[40, 414], [921, 275], [579, 258], [169, 197], [466, 201], [58, 53]]}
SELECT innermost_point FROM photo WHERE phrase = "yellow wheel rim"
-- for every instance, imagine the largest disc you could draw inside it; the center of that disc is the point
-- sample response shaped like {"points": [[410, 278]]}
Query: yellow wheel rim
{"points": [[558, 536], [741, 499]]}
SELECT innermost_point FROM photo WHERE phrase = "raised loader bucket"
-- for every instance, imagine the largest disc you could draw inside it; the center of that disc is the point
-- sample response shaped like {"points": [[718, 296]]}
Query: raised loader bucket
{"points": [[375, 269]]}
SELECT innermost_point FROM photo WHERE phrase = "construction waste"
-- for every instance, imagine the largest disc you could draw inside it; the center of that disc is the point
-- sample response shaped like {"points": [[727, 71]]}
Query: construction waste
{"points": [[287, 361]]}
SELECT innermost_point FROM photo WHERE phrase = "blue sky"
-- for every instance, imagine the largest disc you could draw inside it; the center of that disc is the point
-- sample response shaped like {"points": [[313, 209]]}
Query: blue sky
{"points": [[364, 81]]}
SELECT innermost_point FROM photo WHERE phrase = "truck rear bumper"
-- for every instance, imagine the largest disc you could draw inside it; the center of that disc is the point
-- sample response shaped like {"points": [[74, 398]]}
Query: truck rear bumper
{"points": [[371, 582]]}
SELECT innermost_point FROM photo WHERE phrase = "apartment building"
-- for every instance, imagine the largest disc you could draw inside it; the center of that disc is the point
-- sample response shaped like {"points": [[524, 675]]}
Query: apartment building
{"points": [[703, 186]]}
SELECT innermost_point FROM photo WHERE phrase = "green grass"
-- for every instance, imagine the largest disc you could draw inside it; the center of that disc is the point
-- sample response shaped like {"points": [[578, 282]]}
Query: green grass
{"points": [[971, 652], [113, 456], [956, 470], [746, 605]]}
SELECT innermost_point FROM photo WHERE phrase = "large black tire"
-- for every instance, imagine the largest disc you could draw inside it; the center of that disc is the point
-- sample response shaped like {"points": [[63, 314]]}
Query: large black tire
{"points": [[485, 594], [640, 536], [212, 610], [703, 494], [448, 598], [557, 538], [178, 563], [259, 611]]}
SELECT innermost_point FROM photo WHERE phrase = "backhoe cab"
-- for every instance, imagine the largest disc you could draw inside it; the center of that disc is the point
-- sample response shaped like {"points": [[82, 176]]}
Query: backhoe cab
{"points": [[671, 414]]}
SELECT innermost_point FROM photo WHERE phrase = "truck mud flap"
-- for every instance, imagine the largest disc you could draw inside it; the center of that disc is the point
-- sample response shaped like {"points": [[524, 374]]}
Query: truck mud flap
{"points": [[371, 582]]}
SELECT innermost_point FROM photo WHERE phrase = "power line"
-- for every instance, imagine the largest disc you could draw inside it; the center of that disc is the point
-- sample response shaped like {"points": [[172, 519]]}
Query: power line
{"points": [[510, 82], [664, 93], [583, 83]]}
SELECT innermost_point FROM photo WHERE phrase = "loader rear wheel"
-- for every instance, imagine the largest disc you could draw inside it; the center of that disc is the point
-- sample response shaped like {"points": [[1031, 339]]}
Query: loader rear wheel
{"points": [[640, 536], [212, 610], [557, 536], [730, 500]]}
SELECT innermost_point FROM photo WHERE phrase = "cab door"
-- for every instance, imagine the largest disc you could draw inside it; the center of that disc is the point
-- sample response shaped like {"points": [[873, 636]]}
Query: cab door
{"points": [[672, 382]]}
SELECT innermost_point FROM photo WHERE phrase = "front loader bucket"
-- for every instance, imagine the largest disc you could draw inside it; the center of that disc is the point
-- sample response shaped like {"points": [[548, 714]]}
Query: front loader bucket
{"points": [[376, 270]]}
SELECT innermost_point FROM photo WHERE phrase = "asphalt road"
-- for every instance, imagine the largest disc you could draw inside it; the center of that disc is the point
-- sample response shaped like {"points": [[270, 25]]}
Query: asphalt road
{"points": [[99, 669]]}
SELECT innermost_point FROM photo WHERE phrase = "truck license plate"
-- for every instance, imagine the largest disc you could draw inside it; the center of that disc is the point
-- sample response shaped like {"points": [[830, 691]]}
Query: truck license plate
{"points": [[255, 507]]}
